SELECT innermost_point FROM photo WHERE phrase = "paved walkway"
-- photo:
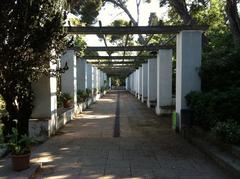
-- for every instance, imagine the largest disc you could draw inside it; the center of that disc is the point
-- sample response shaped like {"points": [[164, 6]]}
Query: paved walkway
{"points": [[146, 148]]}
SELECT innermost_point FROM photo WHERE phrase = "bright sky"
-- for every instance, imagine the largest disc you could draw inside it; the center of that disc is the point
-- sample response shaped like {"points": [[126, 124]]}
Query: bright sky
{"points": [[108, 14]]}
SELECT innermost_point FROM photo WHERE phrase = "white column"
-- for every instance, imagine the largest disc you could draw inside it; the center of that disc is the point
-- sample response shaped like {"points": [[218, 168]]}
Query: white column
{"points": [[132, 83], [110, 83], [140, 83], [69, 78], [144, 81], [94, 78], [89, 76], [152, 81], [137, 82], [189, 50], [105, 79], [164, 81], [81, 71], [133, 87], [126, 83], [45, 102], [101, 79], [86, 76]]}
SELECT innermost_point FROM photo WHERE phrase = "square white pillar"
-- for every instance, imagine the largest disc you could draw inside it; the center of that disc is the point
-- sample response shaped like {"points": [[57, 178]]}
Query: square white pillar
{"points": [[110, 83], [164, 81], [81, 72], [152, 81], [137, 83], [189, 54], [144, 81], [45, 102], [132, 83], [98, 79], [101, 79], [105, 79], [69, 78], [89, 76], [140, 83], [126, 83], [94, 78]]}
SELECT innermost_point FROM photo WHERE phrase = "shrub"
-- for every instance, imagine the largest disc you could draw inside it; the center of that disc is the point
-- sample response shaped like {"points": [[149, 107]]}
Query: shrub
{"points": [[102, 89], [89, 92], [220, 69], [19, 145], [65, 97], [228, 131], [215, 106], [82, 96]]}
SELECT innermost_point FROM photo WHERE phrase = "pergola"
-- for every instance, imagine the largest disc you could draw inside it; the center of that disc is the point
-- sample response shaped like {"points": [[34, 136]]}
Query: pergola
{"points": [[147, 75], [124, 65]]}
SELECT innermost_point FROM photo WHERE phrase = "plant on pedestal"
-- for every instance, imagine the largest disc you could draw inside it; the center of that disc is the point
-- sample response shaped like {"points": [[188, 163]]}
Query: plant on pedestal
{"points": [[66, 100], [19, 146], [82, 96]]}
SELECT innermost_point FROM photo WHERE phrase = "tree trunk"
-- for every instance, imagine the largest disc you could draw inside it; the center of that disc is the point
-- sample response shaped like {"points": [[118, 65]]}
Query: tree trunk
{"points": [[10, 120], [181, 8], [120, 4], [25, 109], [234, 20]]}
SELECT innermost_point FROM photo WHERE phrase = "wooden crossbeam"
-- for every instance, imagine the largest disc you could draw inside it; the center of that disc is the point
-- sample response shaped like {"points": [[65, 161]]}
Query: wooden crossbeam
{"points": [[117, 66], [129, 48], [133, 30], [117, 62], [118, 57]]}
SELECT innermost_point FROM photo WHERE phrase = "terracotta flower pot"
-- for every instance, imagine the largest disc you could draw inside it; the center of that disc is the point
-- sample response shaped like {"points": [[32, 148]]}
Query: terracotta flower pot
{"points": [[21, 162], [67, 104]]}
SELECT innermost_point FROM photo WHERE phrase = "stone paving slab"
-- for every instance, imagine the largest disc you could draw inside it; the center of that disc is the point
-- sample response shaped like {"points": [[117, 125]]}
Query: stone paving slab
{"points": [[146, 149]]}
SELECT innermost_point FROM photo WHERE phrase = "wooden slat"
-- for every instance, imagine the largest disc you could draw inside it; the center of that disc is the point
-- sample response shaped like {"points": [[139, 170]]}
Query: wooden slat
{"points": [[133, 29], [118, 57], [117, 63], [128, 48]]}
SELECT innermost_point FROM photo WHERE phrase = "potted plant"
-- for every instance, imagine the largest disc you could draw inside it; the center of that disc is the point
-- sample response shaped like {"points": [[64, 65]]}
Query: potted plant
{"points": [[66, 100], [81, 96], [19, 147]]}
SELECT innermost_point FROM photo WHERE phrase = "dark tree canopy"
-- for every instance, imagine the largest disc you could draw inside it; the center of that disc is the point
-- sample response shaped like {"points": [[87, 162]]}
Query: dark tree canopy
{"points": [[31, 36]]}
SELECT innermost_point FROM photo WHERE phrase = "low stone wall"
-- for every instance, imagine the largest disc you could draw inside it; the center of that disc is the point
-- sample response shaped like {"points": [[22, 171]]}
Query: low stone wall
{"points": [[41, 129]]}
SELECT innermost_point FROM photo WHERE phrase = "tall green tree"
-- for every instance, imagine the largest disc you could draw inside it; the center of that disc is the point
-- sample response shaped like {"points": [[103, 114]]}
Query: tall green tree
{"points": [[234, 20], [32, 35]]}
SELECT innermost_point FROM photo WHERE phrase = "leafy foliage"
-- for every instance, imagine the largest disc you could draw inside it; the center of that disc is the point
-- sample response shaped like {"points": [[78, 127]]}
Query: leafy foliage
{"points": [[229, 132], [217, 110], [220, 69], [65, 97], [19, 145], [88, 9], [31, 36], [82, 96]]}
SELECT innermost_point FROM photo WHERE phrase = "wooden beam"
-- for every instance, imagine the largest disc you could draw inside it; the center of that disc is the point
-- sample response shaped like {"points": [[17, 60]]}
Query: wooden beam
{"points": [[116, 63], [133, 30], [129, 48], [118, 57], [117, 66]]}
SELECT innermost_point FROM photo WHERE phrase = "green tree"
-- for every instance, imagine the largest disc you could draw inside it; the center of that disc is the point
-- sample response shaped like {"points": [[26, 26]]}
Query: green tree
{"points": [[32, 35]]}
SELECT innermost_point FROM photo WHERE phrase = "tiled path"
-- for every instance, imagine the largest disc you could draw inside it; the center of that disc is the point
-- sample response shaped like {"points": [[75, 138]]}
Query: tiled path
{"points": [[146, 148]]}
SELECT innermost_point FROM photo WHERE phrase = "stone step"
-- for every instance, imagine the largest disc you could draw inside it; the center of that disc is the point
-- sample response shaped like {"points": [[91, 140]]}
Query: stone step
{"points": [[226, 160]]}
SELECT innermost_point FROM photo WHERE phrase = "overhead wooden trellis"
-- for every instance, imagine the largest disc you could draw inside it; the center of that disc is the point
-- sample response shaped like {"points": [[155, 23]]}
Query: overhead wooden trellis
{"points": [[115, 64], [133, 30]]}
